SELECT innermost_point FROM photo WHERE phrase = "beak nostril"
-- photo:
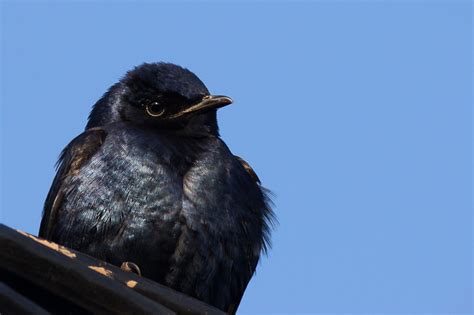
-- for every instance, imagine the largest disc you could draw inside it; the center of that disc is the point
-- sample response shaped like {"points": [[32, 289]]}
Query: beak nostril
{"points": [[206, 97]]}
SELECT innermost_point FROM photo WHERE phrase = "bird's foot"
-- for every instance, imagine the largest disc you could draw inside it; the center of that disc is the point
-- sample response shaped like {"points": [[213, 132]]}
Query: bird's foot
{"points": [[131, 267]]}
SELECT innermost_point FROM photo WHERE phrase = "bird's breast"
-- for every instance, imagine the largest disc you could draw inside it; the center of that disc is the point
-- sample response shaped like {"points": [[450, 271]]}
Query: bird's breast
{"points": [[144, 200]]}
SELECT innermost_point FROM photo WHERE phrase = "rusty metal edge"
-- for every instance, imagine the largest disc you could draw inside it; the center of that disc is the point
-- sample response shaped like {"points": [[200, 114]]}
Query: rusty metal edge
{"points": [[173, 300], [58, 273]]}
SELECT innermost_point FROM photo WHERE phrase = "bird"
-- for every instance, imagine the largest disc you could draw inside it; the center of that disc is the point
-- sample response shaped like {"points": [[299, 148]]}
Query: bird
{"points": [[150, 182]]}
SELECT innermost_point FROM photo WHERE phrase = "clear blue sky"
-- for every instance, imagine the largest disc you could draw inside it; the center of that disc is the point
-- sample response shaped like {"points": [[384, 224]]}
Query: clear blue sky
{"points": [[356, 114]]}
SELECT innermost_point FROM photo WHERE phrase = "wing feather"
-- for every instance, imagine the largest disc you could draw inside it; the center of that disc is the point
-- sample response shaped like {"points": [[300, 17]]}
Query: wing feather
{"points": [[76, 154], [248, 168]]}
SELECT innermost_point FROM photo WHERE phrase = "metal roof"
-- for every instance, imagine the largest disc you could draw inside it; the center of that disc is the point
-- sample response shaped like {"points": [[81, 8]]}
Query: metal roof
{"points": [[41, 277]]}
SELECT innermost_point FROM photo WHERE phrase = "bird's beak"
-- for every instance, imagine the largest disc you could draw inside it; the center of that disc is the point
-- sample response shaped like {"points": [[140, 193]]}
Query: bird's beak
{"points": [[207, 102]]}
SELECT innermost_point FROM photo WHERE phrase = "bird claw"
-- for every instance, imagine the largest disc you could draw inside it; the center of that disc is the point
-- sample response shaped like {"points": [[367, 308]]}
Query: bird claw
{"points": [[131, 267]]}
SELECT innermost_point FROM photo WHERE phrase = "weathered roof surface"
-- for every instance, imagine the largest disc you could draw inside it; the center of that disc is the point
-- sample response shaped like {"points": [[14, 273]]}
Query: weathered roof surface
{"points": [[41, 277]]}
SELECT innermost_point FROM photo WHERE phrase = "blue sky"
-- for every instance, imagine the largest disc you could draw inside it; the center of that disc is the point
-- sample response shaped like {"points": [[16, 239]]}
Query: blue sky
{"points": [[356, 114]]}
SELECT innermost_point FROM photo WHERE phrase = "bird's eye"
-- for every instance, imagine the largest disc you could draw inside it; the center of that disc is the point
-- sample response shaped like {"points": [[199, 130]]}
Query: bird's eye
{"points": [[154, 109]]}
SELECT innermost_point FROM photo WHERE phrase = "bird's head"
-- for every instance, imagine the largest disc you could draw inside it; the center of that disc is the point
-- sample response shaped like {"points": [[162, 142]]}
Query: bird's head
{"points": [[160, 95]]}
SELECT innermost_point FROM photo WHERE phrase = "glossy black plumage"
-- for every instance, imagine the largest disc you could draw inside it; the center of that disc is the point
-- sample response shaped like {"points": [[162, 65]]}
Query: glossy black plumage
{"points": [[151, 182]]}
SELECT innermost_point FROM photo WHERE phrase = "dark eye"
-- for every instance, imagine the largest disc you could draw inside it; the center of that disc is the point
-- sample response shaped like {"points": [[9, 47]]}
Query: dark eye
{"points": [[154, 109]]}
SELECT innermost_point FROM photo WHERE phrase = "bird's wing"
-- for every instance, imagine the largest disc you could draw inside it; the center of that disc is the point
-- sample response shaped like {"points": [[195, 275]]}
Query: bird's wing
{"points": [[77, 152], [248, 168], [261, 205]]}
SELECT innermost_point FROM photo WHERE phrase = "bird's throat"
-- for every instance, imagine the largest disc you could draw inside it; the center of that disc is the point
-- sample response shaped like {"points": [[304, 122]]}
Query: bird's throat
{"points": [[203, 124]]}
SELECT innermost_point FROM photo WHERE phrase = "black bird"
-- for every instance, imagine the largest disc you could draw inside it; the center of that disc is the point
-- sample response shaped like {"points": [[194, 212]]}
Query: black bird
{"points": [[151, 182]]}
